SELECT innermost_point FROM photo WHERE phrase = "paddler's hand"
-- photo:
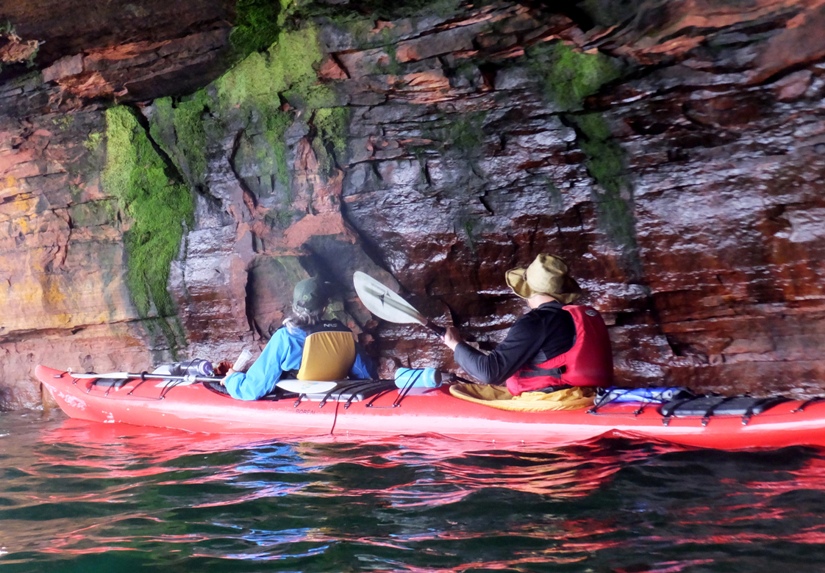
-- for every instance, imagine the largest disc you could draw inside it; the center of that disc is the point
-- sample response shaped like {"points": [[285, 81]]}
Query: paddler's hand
{"points": [[228, 372], [452, 337]]}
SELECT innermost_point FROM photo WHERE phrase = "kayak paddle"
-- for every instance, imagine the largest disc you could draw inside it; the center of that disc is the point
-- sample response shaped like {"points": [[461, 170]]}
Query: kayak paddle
{"points": [[296, 386], [387, 304], [141, 375]]}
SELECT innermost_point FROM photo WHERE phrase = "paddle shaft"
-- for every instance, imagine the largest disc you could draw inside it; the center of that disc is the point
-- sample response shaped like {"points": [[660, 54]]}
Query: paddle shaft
{"points": [[289, 385], [439, 330], [141, 376]]}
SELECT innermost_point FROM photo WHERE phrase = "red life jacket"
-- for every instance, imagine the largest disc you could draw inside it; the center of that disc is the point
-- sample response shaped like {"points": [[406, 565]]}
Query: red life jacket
{"points": [[588, 363]]}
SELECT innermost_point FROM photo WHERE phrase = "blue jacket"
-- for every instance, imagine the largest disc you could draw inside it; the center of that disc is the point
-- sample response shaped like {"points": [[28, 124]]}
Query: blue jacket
{"points": [[283, 353]]}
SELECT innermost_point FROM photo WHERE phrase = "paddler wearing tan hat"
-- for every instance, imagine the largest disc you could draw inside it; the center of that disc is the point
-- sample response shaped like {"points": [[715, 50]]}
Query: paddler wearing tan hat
{"points": [[554, 345]]}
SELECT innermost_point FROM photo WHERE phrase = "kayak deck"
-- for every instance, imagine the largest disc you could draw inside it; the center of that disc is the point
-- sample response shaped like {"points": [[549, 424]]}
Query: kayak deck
{"points": [[377, 408]]}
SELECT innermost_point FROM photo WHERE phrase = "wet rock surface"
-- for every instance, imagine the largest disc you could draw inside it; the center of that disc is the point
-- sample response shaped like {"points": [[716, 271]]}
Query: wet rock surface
{"points": [[700, 239]]}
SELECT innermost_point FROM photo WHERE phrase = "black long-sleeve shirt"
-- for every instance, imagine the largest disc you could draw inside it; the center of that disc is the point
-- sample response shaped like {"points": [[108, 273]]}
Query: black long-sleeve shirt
{"points": [[539, 335]]}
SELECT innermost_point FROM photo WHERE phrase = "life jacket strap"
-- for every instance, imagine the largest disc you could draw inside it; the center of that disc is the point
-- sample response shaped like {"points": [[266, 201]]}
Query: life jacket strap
{"points": [[536, 372]]}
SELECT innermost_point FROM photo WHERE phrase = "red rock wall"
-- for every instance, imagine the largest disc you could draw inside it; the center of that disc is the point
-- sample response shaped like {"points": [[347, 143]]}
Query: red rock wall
{"points": [[713, 281]]}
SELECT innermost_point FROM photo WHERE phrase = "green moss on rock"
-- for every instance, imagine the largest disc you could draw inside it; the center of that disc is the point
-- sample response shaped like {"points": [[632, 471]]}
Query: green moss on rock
{"points": [[606, 164], [570, 76], [275, 125], [93, 141], [178, 128], [288, 66], [156, 203], [256, 26], [460, 134], [271, 90], [190, 132], [466, 134], [330, 137]]}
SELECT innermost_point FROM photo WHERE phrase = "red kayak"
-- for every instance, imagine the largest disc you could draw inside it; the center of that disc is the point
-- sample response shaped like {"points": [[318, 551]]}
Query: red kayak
{"points": [[369, 409]]}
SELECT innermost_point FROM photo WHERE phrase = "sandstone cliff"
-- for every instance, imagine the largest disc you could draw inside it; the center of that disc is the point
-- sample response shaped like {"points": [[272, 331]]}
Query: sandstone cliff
{"points": [[168, 171]]}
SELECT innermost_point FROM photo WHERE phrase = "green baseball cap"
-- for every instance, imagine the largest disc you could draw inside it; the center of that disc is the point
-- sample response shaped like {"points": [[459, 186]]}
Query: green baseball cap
{"points": [[310, 295]]}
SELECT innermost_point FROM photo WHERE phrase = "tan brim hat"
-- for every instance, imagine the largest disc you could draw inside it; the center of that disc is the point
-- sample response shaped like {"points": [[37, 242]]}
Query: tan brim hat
{"points": [[547, 274]]}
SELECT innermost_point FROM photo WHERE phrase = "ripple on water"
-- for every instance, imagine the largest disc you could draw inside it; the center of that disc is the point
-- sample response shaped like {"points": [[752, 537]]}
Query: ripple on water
{"points": [[77, 496]]}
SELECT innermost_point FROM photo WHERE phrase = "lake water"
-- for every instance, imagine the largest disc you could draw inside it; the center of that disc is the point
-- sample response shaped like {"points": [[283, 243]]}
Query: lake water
{"points": [[84, 497]]}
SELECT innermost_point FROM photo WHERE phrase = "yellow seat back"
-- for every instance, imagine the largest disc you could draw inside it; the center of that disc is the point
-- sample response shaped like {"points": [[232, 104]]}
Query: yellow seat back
{"points": [[328, 355]]}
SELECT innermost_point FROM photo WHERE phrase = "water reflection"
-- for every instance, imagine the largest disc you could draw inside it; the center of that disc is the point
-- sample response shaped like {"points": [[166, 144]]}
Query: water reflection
{"points": [[77, 495]]}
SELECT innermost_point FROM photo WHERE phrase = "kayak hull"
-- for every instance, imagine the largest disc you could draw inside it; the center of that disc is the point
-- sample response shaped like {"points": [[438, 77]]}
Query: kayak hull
{"points": [[196, 408]]}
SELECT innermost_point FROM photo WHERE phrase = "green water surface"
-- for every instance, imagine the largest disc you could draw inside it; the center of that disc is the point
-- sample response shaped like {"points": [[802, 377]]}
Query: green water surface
{"points": [[77, 496]]}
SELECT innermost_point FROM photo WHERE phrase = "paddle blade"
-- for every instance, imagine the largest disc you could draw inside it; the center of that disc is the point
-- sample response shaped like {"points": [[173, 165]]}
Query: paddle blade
{"points": [[383, 302], [306, 386], [109, 375]]}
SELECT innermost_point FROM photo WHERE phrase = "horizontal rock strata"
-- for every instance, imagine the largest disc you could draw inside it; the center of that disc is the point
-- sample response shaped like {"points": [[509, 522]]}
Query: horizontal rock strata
{"points": [[682, 181]]}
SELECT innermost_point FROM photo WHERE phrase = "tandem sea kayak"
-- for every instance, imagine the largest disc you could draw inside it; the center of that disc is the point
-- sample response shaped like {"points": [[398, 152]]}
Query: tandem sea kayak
{"points": [[370, 409]]}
